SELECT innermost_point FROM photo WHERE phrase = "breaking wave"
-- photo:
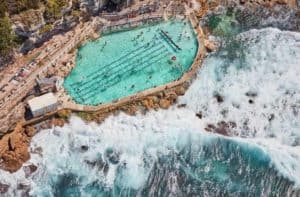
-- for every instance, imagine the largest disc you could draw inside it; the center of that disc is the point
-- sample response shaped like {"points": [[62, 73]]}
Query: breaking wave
{"points": [[248, 90]]}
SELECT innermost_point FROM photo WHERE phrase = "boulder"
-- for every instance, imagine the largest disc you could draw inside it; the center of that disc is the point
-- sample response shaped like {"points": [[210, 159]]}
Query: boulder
{"points": [[14, 149], [222, 128], [164, 103], [210, 46], [180, 91], [30, 131]]}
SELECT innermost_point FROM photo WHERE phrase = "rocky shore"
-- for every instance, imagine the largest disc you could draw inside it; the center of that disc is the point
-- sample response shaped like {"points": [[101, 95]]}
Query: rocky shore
{"points": [[14, 146]]}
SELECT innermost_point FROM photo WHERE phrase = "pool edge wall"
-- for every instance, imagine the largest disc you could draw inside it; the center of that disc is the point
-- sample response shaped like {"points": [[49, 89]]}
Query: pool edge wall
{"points": [[186, 77]]}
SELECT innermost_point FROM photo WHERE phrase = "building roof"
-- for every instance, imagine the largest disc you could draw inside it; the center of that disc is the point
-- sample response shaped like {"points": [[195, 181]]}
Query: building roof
{"points": [[43, 101]]}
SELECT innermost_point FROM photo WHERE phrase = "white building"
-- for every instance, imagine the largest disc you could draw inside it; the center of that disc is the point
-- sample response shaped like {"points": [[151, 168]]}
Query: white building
{"points": [[43, 104]]}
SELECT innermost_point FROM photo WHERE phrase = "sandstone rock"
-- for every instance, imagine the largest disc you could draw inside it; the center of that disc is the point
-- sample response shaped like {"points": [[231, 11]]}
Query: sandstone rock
{"points": [[283, 2], [154, 99], [59, 122], [160, 95], [149, 102], [210, 46], [130, 109], [164, 103], [14, 150], [171, 96], [180, 90], [10, 119], [30, 131]]}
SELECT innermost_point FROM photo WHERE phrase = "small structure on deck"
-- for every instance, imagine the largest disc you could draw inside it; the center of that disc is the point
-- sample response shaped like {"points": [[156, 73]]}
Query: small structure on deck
{"points": [[43, 104], [52, 84]]}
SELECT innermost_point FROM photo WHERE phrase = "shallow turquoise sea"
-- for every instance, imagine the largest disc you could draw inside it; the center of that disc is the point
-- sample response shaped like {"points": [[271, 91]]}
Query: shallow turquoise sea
{"points": [[124, 63]]}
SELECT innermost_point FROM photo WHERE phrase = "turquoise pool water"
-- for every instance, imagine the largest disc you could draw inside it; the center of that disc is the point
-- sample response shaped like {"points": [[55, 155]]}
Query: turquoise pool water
{"points": [[124, 63]]}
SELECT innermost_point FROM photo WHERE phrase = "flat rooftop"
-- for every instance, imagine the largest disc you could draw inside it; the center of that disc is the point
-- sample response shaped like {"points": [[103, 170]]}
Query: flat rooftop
{"points": [[43, 101]]}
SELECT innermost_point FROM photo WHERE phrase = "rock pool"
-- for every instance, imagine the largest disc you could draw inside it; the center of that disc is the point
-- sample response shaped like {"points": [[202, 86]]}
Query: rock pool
{"points": [[124, 63]]}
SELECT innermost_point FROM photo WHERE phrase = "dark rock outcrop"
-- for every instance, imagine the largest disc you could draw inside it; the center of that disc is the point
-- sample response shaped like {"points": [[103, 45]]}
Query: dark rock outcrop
{"points": [[3, 188]]}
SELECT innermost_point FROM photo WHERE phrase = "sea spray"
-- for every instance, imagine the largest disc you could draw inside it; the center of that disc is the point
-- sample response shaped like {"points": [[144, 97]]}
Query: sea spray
{"points": [[260, 93], [168, 152]]}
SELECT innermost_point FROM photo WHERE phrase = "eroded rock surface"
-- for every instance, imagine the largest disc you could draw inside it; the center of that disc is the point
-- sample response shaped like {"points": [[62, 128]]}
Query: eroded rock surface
{"points": [[14, 149]]}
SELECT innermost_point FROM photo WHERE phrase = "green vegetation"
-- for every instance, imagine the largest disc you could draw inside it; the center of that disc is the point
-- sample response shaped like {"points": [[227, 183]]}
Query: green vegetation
{"points": [[3, 8], [64, 114], [6, 36], [85, 115], [17, 6], [46, 28], [11, 7], [53, 8]]}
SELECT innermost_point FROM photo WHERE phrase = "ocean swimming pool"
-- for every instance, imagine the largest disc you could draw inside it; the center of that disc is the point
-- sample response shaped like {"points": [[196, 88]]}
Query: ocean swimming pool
{"points": [[125, 63]]}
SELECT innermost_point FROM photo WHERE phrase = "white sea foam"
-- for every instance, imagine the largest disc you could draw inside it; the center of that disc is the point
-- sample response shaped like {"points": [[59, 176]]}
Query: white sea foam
{"points": [[272, 61], [270, 69]]}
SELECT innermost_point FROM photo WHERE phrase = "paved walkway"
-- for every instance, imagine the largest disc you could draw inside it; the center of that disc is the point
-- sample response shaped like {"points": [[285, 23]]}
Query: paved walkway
{"points": [[20, 90]]}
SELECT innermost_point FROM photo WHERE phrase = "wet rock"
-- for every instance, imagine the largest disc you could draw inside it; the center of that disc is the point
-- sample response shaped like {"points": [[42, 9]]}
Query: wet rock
{"points": [[84, 148], [99, 164], [199, 115], [219, 98], [271, 117], [181, 105], [29, 170], [224, 112], [222, 128], [232, 124], [251, 94], [105, 168], [37, 150], [23, 186], [210, 127], [112, 155], [3, 188], [250, 101]]}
